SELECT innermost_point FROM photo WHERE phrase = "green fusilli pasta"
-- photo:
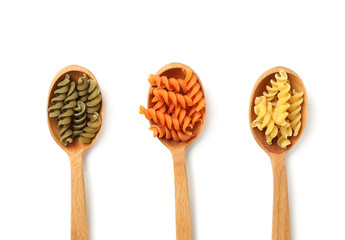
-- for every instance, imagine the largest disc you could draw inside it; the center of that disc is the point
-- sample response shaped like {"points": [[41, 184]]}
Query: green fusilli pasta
{"points": [[76, 107], [61, 94], [79, 119], [65, 118], [82, 88], [94, 98], [92, 128]]}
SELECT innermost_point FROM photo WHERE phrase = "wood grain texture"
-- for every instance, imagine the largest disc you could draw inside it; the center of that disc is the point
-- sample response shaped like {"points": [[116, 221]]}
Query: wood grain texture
{"points": [[281, 218], [78, 201], [182, 205], [177, 149], [75, 152]]}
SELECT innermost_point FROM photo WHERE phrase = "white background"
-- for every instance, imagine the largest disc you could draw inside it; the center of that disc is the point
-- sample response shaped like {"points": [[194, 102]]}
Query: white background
{"points": [[128, 174]]}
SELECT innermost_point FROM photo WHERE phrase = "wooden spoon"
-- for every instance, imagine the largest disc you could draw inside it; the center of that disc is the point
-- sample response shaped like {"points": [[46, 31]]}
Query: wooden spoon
{"points": [[182, 207], [281, 219], [75, 152]]}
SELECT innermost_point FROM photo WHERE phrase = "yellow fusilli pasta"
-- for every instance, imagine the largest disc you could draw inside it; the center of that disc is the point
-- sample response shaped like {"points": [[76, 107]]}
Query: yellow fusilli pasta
{"points": [[278, 111], [295, 109], [264, 120], [271, 91], [284, 133]]}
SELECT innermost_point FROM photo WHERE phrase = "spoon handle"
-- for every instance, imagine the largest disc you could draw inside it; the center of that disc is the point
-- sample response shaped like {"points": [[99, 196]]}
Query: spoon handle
{"points": [[78, 206], [281, 218], [182, 208]]}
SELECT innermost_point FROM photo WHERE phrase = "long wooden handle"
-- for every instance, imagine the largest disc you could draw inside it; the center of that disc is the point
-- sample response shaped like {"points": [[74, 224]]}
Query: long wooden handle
{"points": [[182, 208], [281, 218], [78, 206]]}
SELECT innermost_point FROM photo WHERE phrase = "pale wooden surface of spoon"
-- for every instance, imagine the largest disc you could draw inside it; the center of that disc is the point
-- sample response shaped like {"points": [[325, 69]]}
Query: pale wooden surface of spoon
{"points": [[281, 218], [177, 149], [75, 152]]}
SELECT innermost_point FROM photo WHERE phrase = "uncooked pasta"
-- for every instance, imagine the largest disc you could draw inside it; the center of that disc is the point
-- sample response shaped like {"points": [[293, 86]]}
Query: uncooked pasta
{"points": [[294, 111], [278, 111], [65, 118], [60, 96], [76, 109], [79, 119], [92, 128], [94, 98], [83, 87], [177, 105]]}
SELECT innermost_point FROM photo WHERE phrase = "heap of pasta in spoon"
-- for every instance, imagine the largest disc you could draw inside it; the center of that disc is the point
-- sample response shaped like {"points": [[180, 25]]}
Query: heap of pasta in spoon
{"points": [[177, 106], [278, 111], [76, 108]]}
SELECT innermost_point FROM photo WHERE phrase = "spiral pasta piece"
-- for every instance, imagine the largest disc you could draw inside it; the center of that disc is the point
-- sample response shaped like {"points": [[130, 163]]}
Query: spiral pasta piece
{"points": [[281, 77], [171, 84], [82, 87], [295, 109], [70, 102], [65, 134], [94, 98], [79, 119], [280, 112], [61, 94], [271, 90], [260, 111], [65, 118], [283, 140], [89, 132], [163, 131], [265, 120]]}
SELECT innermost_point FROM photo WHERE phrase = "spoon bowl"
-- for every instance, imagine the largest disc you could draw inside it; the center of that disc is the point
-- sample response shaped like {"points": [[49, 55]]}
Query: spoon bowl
{"points": [[259, 87], [281, 218], [75, 72], [75, 152], [174, 70]]}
